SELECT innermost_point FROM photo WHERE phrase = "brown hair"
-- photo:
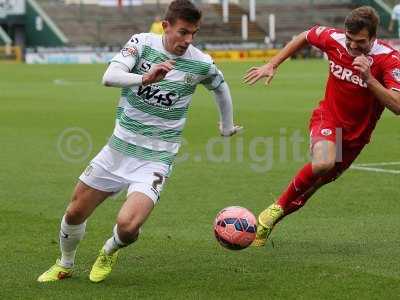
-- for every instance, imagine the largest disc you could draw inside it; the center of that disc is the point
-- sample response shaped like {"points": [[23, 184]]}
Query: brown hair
{"points": [[360, 18], [184, 10]]}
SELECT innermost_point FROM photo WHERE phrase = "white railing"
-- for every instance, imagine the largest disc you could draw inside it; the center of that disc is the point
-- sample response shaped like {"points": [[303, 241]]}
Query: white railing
{"points": [[137, 2]]}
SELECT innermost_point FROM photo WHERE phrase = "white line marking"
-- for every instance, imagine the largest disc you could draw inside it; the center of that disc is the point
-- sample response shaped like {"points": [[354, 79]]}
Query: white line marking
{"points": [[391, 163], [61, 81], [378, 170]]}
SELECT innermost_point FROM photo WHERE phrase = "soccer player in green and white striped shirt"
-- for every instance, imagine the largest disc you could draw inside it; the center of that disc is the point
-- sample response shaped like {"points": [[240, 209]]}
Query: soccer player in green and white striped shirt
{"points": [[158, 76]]}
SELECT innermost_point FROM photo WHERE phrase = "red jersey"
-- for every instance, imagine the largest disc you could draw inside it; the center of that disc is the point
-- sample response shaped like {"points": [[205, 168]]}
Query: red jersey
{"points": [[351, 104]]}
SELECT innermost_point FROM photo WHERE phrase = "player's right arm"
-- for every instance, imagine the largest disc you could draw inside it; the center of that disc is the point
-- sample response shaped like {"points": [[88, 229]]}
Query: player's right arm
{"points": [[119, 72], [119, 75], [386, 92], [269, 69]]}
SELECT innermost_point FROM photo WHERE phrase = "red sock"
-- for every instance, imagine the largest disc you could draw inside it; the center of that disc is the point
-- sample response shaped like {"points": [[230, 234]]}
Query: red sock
{"points": [[299, 185], [297, 204]]}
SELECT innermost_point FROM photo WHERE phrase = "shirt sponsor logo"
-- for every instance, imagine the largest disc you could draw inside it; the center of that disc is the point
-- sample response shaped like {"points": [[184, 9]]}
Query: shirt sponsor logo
{"points": [[153, 95], [345, 74], [128, 51], [396, 74], [145, 66], [135, 40]]}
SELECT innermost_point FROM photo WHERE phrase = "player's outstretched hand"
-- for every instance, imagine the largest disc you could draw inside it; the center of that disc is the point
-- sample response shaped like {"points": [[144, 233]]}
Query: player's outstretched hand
{"points": [[228, 133], [158, 72], [254, 74]]}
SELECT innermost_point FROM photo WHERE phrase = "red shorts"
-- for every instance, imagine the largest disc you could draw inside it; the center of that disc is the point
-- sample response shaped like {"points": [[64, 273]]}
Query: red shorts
{"points": [[324, 127]]}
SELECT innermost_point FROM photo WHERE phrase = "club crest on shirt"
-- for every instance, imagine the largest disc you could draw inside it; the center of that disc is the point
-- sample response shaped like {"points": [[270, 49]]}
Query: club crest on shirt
{"points": [[370, 60], [326, 131], [188, 79], [128, 51], [396, 74]]}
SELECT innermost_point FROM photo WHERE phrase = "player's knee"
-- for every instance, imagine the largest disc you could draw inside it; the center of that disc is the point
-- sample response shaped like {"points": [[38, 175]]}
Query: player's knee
{"points": [[75, 213], [320, 167], [74, 216]]}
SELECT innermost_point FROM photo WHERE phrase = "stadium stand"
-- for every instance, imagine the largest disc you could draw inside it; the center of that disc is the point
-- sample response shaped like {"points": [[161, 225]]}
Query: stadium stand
{"points": [[256, 31], [292, 18], [99, 25], [75, 23], [95, 25]]}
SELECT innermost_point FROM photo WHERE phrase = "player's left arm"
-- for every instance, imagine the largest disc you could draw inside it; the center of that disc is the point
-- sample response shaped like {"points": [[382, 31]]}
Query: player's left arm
{"points": [[215, 82], [388, 95], [224, 101]]}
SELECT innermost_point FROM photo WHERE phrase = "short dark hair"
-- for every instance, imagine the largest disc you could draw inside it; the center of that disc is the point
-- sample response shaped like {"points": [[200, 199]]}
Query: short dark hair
{"points": [[184, 10], [360, 18]]}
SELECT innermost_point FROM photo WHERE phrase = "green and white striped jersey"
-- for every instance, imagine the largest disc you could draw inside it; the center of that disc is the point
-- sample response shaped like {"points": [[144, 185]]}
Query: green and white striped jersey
{"points": [[150, 119]]}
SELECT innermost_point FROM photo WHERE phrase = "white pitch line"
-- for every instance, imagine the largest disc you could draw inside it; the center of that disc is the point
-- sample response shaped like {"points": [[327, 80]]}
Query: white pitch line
{"points": [[61, 81], [391, 163], [378, 170]]}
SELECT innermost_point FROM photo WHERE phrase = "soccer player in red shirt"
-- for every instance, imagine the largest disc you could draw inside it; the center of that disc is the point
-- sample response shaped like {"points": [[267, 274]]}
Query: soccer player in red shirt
{"points": [[364, 79]]}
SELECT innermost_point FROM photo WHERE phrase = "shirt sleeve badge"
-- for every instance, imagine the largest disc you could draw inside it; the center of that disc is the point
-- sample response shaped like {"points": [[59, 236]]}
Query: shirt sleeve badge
{"points": [[396, 74], [128, 51]]}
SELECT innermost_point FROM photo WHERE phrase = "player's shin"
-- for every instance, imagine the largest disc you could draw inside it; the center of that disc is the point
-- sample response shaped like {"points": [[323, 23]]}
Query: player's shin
{"points": [[300, 184], [114, 243], [296, 205], [302, 199], [70, 236]]}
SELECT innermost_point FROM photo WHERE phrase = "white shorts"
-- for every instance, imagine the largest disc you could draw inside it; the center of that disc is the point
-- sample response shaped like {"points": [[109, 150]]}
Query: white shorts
{"points": [[112, 171]]}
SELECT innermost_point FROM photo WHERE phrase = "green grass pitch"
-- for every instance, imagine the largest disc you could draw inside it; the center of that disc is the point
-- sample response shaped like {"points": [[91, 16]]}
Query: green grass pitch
{"points": [[343, 245]]}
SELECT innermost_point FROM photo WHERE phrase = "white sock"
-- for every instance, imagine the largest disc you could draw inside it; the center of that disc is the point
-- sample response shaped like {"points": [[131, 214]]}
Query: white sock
{"points": [[114, 243], [70, 236]]}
